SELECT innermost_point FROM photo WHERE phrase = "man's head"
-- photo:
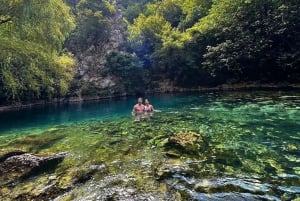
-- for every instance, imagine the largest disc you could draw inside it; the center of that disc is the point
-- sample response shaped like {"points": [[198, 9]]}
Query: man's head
{"points": [[140, 101]]}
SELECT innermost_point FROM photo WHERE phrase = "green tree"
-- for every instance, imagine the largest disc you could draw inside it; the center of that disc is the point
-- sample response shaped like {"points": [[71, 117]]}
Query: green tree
{"points": [[233, 40], [254, 40], [129, 68], [93, 24], [162, 42], [32, 64], [146, 36]]}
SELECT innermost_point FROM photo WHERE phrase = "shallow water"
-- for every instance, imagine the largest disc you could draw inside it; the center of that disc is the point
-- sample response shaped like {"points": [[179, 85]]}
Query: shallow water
{"points": [[41, 117], [251, 149]]}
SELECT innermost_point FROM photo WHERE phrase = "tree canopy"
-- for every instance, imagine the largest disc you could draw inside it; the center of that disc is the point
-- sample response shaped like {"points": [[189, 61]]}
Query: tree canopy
{"points": [[93, 24], [32, 62], [217, 41], [189, 42]]}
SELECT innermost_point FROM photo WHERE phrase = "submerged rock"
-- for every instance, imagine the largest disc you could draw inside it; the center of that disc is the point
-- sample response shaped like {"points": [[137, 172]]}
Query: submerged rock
{"points": [[185, 142], [170, 168], [6, 154], [49, 192], [120, 187], [173, 153], [18, 167]]}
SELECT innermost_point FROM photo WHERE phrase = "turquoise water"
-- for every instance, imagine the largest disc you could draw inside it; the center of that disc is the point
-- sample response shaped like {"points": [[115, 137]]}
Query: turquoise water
{"points": [[269, 106], [41, 117], [251, 150]]}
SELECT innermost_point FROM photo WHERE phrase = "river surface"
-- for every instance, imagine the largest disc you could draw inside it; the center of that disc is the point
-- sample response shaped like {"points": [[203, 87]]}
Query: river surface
{"points": [[249, 150], [41, 117]]}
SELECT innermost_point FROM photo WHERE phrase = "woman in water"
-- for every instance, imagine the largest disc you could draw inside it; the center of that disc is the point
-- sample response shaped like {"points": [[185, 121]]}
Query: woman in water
{"points": [[148, 107]]}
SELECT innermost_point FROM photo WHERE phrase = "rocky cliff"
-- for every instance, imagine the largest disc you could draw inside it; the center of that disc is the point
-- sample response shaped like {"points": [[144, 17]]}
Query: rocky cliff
{"points": [[90, 80]]}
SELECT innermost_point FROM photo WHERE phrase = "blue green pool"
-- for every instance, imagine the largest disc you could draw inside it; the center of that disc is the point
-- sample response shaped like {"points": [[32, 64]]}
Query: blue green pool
{"points": [[251, 148]]}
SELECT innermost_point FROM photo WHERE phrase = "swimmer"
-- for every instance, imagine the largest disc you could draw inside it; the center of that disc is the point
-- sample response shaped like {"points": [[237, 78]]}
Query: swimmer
{"points": [[148, 107], [138, 110]]}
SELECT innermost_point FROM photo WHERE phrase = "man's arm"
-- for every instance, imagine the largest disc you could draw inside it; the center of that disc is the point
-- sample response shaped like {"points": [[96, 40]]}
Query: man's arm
{"points": [[133, 110]]}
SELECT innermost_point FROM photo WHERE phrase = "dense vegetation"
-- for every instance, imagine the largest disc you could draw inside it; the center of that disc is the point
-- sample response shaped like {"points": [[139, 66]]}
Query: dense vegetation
{"points": [[232, 40], [93, 25], [32, 62], [187, 42]]}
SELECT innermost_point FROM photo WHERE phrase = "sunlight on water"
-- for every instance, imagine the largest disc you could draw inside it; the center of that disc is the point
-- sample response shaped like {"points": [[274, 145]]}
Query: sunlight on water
{"points": [[249, 147]]}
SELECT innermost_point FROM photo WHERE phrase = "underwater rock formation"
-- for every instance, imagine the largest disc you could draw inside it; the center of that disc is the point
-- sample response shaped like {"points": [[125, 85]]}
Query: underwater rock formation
{"points": [[171, 167], [22, 166], [5, 155], [185, 142]]}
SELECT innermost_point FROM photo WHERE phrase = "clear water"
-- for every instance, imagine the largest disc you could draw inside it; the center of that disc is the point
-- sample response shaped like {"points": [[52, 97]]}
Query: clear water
{"points": [[251, 152], [41, 117]]}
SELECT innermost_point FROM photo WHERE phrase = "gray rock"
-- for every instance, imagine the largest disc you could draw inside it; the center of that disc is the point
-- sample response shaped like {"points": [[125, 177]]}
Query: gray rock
{"points": [[89, 80], [20, 167]]}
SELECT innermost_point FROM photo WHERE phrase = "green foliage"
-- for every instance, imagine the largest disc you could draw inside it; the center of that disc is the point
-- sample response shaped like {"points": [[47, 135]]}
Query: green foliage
{"points": [[132, 12], [190, 42], [129, 69], [93, 24], [149, 29], [170, 10], [193, 11], [161, 41], [251, 39], [229, 39], [146, 36], [132, 8], [32, 64]]}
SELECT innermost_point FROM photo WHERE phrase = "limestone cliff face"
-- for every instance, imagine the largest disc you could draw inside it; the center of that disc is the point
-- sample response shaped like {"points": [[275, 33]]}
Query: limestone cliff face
{"points": [[89, 80]]}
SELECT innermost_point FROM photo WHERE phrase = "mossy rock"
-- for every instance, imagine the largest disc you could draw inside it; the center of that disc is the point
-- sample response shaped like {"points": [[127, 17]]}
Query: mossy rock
{"points": [[173, 153], [170, 167], [19, 167], [77, 175], [188, 141]]}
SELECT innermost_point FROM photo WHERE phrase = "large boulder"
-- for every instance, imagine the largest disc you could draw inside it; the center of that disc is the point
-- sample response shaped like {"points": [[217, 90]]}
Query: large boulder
{"points": [[6, 154], [18, 165]]}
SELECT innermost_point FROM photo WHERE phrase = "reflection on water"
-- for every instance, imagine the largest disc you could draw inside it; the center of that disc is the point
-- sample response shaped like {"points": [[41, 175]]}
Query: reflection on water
{"points": [[250, 151]]}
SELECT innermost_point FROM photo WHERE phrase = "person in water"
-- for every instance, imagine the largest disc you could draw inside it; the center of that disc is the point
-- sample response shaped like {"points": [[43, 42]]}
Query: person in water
{"points": [[138, 109], [149, 109], [148, 106]]}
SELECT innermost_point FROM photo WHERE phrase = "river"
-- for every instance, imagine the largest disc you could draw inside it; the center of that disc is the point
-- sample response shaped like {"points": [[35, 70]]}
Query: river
{"points": [[248, 147]]}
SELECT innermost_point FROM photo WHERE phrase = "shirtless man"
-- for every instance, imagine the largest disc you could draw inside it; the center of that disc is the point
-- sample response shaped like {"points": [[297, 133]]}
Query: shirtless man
{"points": [[138, 109]]}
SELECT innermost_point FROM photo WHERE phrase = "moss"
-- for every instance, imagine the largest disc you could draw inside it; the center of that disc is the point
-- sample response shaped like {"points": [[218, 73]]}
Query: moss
{"points": [[36, 143], [160, 155], [68, 197]]}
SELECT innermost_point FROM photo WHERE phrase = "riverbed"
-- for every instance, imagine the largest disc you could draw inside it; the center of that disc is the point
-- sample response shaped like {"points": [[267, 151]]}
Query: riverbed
{"points": [[245, 146]]}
